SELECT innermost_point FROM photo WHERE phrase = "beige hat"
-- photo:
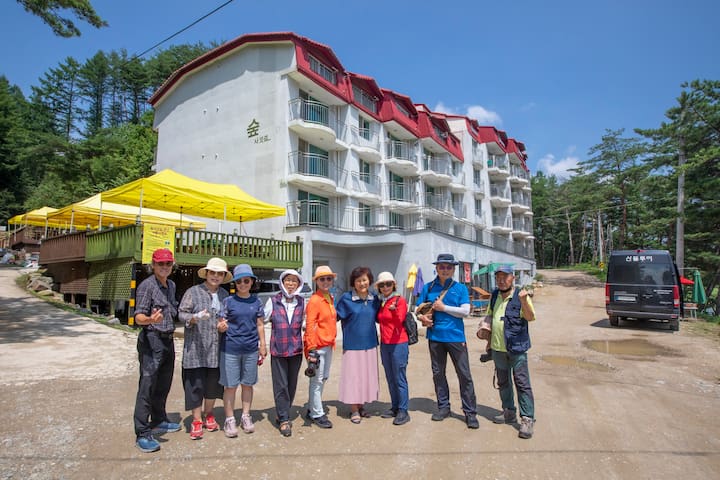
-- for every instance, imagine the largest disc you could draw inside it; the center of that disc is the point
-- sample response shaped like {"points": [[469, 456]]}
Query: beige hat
{"points": [[216, 265], [385, 277], [323, 271]]}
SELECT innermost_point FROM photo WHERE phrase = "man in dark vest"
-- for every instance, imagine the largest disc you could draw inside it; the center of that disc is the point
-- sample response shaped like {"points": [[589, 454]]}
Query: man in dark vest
{"points": [[510, 310]]}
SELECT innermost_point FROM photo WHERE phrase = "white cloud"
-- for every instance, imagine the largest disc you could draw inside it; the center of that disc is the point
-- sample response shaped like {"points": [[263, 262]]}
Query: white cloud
{"points": [[559, 168], [528, 106], [478, 112]]}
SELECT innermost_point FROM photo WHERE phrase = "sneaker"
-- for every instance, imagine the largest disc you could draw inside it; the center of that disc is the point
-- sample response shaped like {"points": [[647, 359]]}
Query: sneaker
{"points": [[211, 424], [440, 415], [166, 427], [391, 413], [508, 416], [526, 427], [401, 418], [230, 428], [247, 424], [147, 444], [472, 421], [322, 422], [196, 430], [485, 357]]}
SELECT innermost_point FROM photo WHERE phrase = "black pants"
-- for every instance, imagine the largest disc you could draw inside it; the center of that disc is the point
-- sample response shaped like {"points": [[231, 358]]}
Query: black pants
{"points": [[156, 353], [438, 362], [285, 371]]}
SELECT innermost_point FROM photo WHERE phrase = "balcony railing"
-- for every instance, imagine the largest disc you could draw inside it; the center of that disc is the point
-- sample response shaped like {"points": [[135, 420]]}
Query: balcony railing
{"points": [[498, 191], [362, 182], [63, 248], [459, 210], [501, 221], [313, 165], [400, 150], [498, 161], [519, 172], [365, 137], [439, 164], [519, 198], [402, 192], [437, 202], [311, 111]]}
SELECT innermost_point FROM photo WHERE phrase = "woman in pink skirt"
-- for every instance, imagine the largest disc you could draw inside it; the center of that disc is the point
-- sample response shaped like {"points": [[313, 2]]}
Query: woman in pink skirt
{"points": [[357, 310]]}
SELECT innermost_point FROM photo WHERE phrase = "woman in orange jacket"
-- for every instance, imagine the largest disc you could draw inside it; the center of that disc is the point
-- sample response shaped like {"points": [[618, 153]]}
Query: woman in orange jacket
{"points": [[319, 342]]}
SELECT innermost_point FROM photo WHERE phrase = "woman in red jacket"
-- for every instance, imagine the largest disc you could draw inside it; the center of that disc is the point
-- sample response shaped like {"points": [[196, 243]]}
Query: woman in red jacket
{"points": [[394, 350]]}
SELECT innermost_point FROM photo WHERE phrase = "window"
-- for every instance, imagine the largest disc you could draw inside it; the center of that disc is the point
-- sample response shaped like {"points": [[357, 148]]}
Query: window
{"points": [[364, 128], [402, 109], [314, 209], [477, 178], [398, 189], [365, 171], [365, 99], [323, 70], [313, 160], [478, 207], [396, 221], [365, 215]]}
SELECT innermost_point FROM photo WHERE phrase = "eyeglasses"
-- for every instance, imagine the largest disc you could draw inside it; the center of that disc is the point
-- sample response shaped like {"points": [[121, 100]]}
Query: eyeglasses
{"points": [[213, 273], [244, 280], [385, 284], [164, 264], [325, 279], [444, 266]]}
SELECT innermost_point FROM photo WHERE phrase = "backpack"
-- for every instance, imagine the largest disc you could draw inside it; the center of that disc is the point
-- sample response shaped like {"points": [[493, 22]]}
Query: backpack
{"points": [[410, 324]]}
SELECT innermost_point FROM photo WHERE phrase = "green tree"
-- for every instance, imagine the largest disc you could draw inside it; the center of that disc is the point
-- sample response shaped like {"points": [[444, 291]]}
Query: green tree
{"points": [[94, 77], [51, 12], [59, 92]]}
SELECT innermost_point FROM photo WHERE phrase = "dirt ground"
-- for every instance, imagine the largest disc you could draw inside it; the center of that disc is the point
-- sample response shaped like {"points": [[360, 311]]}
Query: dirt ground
{"points": [[632, 402]]}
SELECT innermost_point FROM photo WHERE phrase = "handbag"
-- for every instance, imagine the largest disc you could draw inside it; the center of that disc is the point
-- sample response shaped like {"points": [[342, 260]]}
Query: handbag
{"points": [[426, 307]]}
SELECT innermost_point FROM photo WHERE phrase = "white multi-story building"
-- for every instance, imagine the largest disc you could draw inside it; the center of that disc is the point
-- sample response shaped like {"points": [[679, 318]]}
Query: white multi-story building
{"points": [[368, 177]]}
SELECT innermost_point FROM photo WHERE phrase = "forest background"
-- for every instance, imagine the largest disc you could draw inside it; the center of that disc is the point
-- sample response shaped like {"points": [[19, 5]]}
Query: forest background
{"points": [[87, 127]]}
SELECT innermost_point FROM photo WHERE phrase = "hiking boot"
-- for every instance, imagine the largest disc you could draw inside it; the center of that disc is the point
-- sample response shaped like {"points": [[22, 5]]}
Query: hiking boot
{"points": [[147, 444], [440, 415], [526, 427], [485, 357], [401, 418], [247, 424], [230, 428], [508, 416], [211, 424], [166, 427], [322, 422], [472, 421], [196, 430], [391, 413]]}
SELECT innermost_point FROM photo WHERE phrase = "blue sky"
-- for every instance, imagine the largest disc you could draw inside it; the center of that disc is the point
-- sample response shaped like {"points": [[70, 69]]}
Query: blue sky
{"points": [[553, 74]]}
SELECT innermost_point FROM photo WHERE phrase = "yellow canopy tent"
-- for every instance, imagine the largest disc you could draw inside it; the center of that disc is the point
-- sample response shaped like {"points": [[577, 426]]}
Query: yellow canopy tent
{"points": [[170, 191], [92, 211], [36, 218]]}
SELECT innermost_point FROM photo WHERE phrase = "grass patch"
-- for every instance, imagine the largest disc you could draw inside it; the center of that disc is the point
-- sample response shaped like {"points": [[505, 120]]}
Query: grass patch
{"points": [[594, 270]]}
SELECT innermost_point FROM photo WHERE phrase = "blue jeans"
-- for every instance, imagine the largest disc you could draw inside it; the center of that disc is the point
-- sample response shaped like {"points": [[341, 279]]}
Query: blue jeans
{"points": [[395, 359], [506, 362], [438, 362], [317, 383]]}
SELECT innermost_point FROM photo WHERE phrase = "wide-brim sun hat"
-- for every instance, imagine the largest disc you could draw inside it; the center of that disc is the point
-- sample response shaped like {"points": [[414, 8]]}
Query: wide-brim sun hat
{"points": [[216, 265], [243, 270], [290, 271], [323, 271], [446, 258], [385, 277]]}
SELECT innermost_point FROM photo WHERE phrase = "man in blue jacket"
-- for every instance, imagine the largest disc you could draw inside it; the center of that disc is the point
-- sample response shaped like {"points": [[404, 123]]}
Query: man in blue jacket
{"points": [[446, 336], [510, 310]]}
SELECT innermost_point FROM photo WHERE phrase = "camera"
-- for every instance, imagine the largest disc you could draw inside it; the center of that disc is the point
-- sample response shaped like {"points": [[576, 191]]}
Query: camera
{"points": [[313, 360]]}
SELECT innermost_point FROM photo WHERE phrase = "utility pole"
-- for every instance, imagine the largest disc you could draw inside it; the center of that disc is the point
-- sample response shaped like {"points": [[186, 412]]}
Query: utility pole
{"points": [[680, 229]]}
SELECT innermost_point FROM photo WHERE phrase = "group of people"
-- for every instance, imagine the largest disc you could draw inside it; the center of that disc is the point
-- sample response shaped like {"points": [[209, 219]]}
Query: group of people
{"points": [[224, 343]]}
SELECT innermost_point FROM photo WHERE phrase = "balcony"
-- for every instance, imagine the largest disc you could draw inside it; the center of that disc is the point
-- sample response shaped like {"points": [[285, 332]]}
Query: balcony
{"points": [[63, 248], [520, 202], [402, 197], [436, 170], [459, 209], [521, 228], [27, 237], [310, 213], [518, 175], [501, 224], [366, 143], [316, 123], [478, 188], [498, 166], [457, 181], [312, 171], [477, 159], [437, 205], [499, 196], [364, 186], [479, 220], [400, 158]]}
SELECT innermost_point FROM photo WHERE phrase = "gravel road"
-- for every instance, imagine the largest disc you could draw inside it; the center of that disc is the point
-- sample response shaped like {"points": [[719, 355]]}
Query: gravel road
{"points": [[634, 402]]}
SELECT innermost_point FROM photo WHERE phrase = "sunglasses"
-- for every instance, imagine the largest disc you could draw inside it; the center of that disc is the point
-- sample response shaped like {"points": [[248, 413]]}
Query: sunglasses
{"points": [[325, 279], [164, 264], [385, 284], [244, 280], [444, 266]]}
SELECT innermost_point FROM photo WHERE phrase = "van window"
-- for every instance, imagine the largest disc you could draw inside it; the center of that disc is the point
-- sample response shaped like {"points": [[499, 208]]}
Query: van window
{"points": [[655, 272]]}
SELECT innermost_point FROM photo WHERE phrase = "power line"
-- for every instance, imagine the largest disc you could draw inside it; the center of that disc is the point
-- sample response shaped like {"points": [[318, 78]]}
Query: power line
{"points": [[183, 29]]}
